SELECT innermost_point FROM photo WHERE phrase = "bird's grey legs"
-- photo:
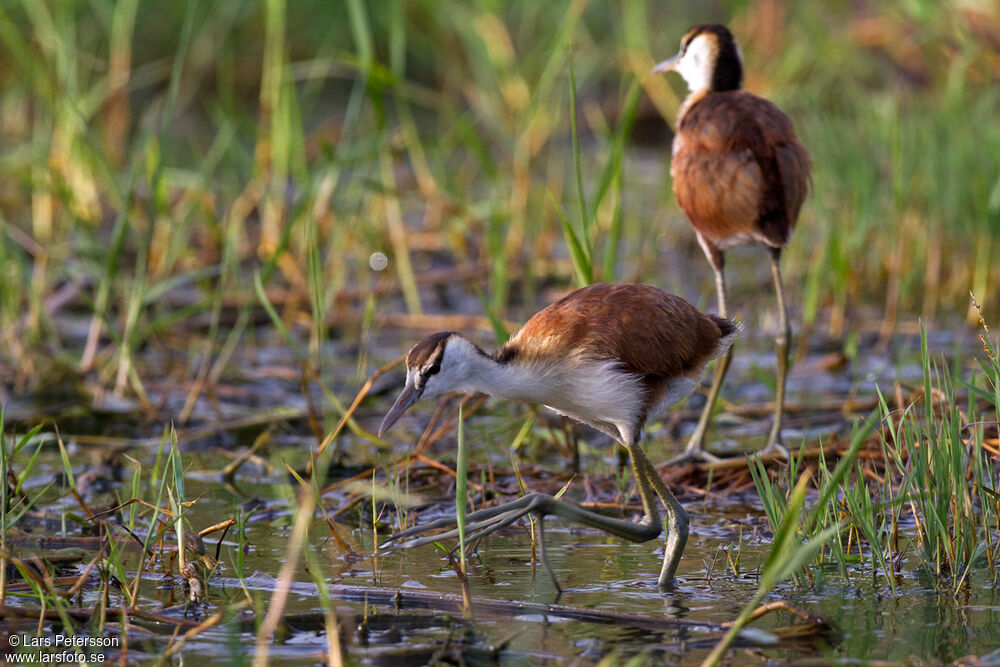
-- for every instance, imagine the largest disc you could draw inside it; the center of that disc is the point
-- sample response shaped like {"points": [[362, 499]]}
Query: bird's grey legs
{"points": [[781, 344], [695, 448], [486, 521], [720, 291], [544, 556], [677, 518]]}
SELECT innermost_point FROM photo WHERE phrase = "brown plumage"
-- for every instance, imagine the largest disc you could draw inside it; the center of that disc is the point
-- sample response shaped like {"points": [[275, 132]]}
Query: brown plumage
{"points": [[648, 330], [609, 356], [740, 174], [658, 337]]}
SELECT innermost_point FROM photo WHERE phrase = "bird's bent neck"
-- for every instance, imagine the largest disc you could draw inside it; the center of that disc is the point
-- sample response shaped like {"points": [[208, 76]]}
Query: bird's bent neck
{"points": [[692, 98], [724, 74], [507, 380], [730, 80], [592, 391]]}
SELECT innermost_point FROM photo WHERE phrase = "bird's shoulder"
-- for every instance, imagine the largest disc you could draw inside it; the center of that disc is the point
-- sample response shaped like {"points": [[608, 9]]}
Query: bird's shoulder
{"points": [[559, 329], [734, 153], [644, 329], [734, 120]]}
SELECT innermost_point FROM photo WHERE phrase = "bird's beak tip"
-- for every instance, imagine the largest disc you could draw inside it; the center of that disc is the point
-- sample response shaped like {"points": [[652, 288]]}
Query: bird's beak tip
{"points": [[665, 65], [387, 422], [406, 398]]}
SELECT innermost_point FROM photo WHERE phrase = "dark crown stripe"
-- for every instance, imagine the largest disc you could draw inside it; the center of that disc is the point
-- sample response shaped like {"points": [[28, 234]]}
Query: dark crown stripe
{"points": [[728, 71], [427, 349]]}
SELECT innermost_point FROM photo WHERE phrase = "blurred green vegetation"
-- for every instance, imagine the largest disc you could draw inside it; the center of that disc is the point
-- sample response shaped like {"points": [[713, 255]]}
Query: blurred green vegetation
{"points": [[157, 160], [927, 498]]}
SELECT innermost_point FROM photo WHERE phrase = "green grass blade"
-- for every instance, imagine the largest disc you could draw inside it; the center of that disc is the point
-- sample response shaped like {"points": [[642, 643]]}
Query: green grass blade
{"points": [[585, 220], [581, 262], [461, 487]]}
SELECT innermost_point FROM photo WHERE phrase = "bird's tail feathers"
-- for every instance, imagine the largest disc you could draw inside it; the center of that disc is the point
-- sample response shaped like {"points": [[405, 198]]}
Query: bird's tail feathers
{"points": [[730, 330]]}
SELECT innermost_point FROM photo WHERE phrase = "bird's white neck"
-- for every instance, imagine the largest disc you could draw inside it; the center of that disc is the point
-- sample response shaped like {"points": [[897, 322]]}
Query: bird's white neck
{"points": [[697, 62], [596, 392], [698, 66], [511, 380]]}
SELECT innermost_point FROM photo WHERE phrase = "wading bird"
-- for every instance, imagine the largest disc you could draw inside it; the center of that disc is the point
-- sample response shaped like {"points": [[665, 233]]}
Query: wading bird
{"points": [[610, 356], [741, 175]]}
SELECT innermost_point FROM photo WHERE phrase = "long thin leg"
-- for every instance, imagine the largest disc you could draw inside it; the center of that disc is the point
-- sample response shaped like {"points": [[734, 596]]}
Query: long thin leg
{"points": [[677, 518], [484, 522], [696, 445], [781, 344], [720, 291], [488, 521], [477, 518], [544, 556]]}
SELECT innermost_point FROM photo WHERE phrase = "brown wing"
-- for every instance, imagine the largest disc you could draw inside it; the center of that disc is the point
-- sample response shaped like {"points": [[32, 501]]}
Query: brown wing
{"points": [[739, 169], [650, 332]]}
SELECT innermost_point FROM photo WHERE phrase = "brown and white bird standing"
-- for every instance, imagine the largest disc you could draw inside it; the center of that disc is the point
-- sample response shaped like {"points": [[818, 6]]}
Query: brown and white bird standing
{"points": [[610, 356], [740, 174]]}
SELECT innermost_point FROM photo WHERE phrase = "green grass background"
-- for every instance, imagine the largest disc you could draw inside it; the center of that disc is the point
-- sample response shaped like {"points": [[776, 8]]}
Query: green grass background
{"points": [[170, 167]]}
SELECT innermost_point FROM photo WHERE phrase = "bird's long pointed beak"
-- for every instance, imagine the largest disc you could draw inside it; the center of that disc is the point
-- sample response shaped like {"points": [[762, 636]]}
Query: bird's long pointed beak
{"points": [[666, 65], [406, 398]]}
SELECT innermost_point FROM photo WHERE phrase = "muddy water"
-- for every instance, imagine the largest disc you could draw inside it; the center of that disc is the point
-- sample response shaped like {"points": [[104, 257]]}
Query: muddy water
{"points": [[595, 571]]}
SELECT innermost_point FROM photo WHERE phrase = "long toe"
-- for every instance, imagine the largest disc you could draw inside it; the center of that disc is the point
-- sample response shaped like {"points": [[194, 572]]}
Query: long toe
{"points": [[483, 515], [479, 524], [403, 535], [694, 456], [473, 532], [775, 448], [483, 528], [427, 539]]}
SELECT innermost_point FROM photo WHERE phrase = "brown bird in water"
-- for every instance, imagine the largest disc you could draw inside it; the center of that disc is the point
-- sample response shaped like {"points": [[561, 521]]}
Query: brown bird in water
{"points": [[740, 174], [610, 356]]}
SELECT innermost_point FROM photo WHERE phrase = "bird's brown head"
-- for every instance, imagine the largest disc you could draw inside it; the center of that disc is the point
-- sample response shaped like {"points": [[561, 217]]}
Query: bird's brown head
{"points": [[436, 365], [709, 59]]}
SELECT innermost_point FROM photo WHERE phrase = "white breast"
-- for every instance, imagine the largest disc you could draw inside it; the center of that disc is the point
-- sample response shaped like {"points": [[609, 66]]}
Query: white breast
{"points": [[598, 391]]}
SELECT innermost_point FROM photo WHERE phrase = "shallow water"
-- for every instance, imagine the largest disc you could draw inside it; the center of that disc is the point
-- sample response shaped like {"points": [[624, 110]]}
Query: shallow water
{"points": [[595, 571]]}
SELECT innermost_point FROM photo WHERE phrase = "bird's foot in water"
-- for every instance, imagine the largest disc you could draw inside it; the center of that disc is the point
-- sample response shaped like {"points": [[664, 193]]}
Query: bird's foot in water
{"points": [[694, 455], [775, 448], [484, 522], [478, 524]]}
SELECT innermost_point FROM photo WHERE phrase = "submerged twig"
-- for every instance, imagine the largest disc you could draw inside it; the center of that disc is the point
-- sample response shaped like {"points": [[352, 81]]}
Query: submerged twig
{"points": [[262, 439], [174, 646], [783, 605], [296, 541]]}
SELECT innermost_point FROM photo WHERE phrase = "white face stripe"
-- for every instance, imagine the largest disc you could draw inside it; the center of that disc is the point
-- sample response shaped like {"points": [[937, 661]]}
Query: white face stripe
{"points": [[436, 358], [697, 62], [459, 360]]}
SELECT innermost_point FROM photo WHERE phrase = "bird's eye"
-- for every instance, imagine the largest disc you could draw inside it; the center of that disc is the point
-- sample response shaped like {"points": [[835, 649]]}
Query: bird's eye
{"points": [[434, 368]]}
